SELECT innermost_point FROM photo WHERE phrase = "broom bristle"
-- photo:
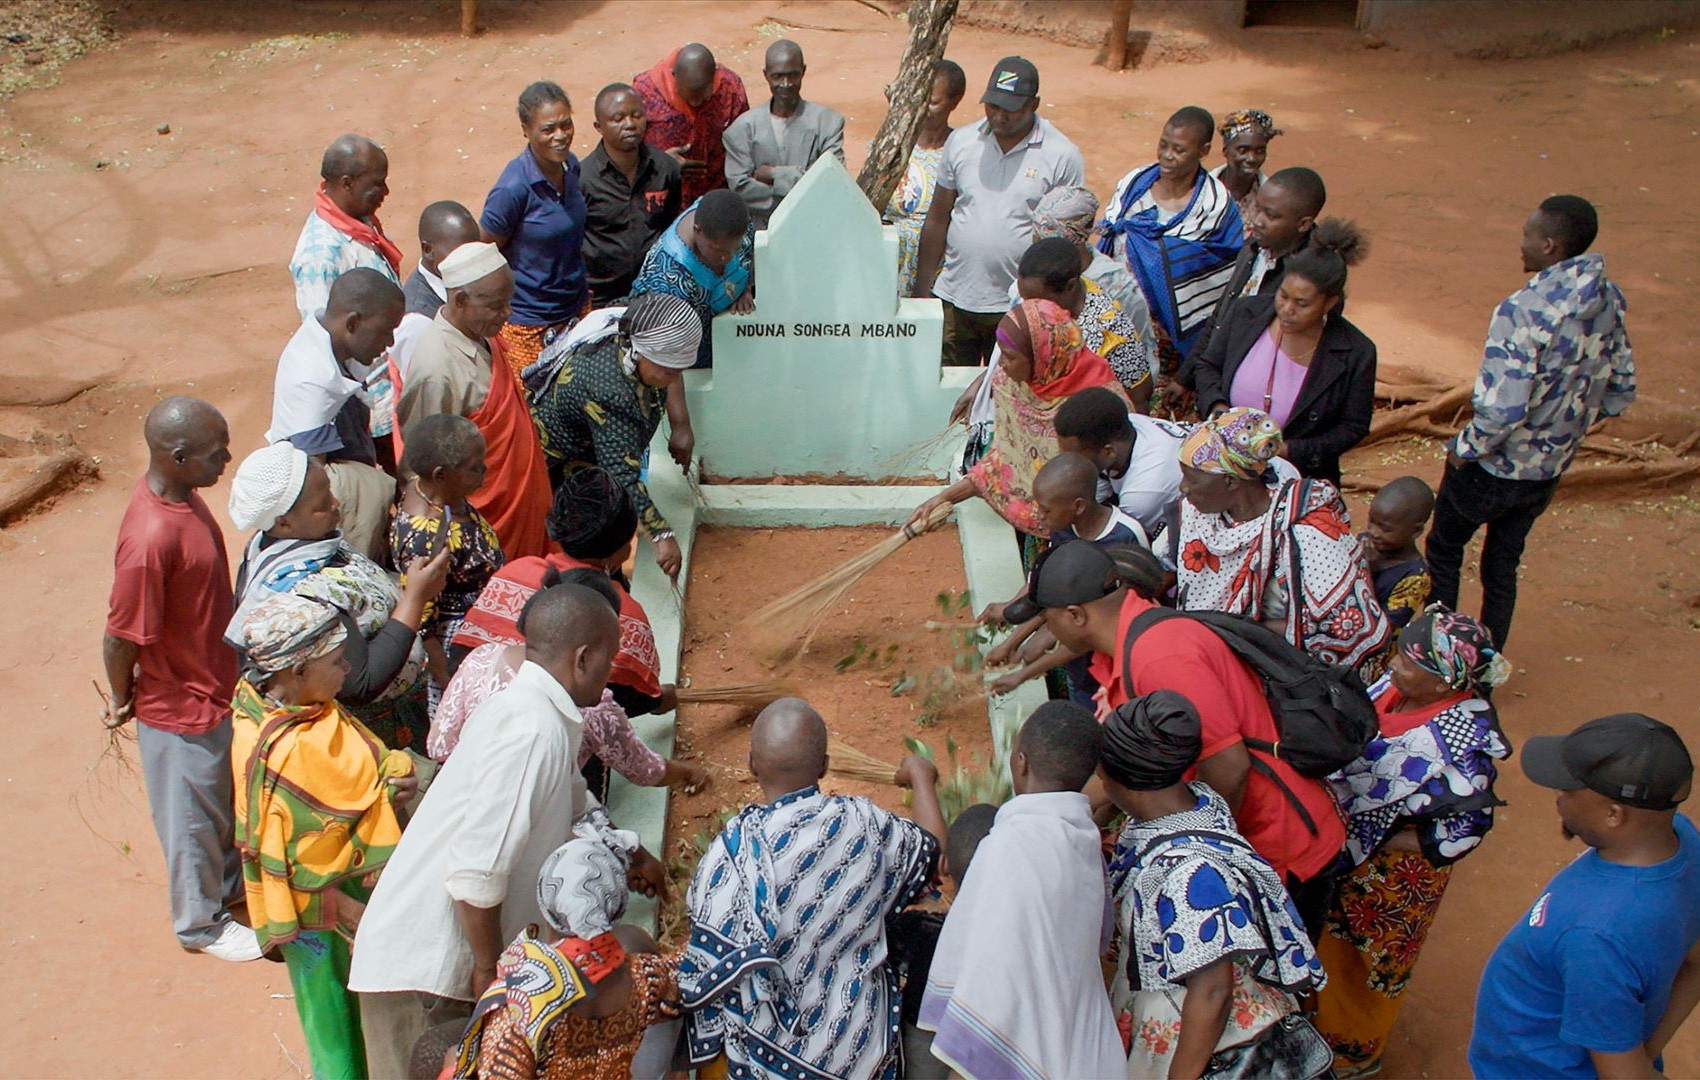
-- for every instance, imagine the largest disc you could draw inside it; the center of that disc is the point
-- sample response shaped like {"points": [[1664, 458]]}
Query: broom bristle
{"points": [[784, 628], [850, 763], [752, 693]]}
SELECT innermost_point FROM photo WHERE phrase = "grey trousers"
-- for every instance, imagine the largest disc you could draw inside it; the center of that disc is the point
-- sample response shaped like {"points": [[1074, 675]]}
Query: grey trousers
{"points": [[391, 1024], [190, 794]]}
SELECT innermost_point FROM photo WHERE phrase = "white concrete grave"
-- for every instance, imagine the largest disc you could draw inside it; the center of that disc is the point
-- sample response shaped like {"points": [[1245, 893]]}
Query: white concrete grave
{"points": [[832, 374]]}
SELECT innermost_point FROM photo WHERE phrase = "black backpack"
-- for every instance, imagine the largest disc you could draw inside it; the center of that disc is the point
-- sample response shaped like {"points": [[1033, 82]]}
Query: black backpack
{"points": [[1323, 715]]}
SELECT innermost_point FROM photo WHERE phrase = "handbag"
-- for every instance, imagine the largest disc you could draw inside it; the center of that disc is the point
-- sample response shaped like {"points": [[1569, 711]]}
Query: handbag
{"points": [[1288, 1049]]}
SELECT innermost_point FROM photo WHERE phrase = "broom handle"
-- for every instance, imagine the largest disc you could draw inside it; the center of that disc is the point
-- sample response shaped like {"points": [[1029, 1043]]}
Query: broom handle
{"points": [[934, 520]]}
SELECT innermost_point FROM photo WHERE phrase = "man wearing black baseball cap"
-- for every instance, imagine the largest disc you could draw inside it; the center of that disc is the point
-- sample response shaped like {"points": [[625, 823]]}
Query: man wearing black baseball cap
{"points": [[991, 176], [1090, 603], [1605, 967]]}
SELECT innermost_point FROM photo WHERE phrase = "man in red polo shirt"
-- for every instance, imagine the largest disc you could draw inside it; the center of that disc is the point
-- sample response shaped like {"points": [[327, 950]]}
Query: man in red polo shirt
{"points": [[1089, 608], [171, 671]]}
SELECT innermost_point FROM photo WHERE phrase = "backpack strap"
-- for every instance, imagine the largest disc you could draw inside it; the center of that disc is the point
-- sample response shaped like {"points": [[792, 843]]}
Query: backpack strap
{"points": [[1256, 747]]}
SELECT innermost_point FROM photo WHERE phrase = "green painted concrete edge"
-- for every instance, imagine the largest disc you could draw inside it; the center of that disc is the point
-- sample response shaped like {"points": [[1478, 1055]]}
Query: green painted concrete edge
{"points": [[990, 558]]}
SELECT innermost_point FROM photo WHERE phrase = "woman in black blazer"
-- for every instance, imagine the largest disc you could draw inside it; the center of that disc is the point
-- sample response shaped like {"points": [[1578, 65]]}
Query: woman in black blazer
{"points": [[1293, 355]]}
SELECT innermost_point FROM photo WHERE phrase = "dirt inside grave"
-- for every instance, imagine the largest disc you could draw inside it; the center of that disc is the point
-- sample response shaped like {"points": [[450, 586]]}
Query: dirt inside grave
{"points": [[906, 625]]}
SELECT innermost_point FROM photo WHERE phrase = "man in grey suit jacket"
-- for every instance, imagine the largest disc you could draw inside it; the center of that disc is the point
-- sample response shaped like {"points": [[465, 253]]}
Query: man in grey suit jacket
{"points": [[769, 148]]}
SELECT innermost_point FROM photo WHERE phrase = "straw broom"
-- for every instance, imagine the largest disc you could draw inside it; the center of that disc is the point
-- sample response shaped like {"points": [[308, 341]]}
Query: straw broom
{"points": [[851, 764], [784, 628], [746, 694]]}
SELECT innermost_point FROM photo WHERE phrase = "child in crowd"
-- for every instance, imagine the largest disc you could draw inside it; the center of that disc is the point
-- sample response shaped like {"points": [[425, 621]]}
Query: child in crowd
{"points": [[1398, 515], [1066, 490], [1015, 987], [316, 813], [914, 936], [445, 456], [1214, 957], [579, 1002]]}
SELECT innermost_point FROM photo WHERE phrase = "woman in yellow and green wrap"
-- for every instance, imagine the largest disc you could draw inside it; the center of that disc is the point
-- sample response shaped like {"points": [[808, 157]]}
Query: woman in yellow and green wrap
{"points": [[316, 814]]}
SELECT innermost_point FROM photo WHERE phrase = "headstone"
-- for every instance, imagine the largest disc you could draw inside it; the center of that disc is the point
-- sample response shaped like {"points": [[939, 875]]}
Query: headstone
{"points": [[832, 374]]}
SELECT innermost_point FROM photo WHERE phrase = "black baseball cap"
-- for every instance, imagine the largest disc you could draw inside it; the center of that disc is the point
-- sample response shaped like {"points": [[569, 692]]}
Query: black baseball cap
{"points": [[1014, 82], [1627, 757], [1072, 573]]}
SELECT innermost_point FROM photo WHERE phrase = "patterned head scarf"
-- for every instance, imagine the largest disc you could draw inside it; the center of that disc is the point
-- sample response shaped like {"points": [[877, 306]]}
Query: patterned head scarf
{"points": [[1068, 212], [1245, 122], [285, 630], [1045, 333], [1454, 648], [664, 329], [1240, 442], [582, 892]]}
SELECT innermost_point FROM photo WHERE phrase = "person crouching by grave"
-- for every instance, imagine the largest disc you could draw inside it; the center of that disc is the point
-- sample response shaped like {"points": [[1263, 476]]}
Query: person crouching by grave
{"points": [[1213, 956], [1067, 492], [707, 259], [977, 227], [579, 1002], [600, 398], [317, 405], [769, 148], [1245, 529], [461, 884], [457, 368], [610, 741], [594, 520], [1137, 459], [170, 670], [1417, 800], [535, 214], [445, 457], [1050, 270], [1398, 515], [788, 911], [1016, 988], [1041, 361], [1605, 968], [284, 497], [318, 800], [631, 193]]}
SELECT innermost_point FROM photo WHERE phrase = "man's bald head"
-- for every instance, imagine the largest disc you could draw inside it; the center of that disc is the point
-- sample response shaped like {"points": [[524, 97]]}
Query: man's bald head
{"points": [[693, 72], [788, 746], [350, 155], [563, 618], [180, 422], [188, 446], [362, 291], [448, 224], [782, 50]]}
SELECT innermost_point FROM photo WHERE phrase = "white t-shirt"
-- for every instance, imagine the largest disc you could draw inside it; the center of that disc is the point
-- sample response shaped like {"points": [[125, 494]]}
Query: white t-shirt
{"points": [[310, 390], [1149, 491], [505, 799]]}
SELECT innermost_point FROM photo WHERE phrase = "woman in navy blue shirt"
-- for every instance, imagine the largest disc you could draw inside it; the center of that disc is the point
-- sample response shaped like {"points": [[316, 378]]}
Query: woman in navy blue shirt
{"points": [[535, 214]]}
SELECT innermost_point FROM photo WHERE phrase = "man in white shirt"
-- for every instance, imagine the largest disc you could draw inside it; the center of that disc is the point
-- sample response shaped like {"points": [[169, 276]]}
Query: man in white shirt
{"points": [[1137, 458], [463, 881], [317, 407]]}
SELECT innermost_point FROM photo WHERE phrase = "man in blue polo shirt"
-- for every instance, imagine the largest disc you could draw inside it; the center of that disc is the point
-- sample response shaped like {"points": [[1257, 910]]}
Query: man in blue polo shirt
{"points": [[1604, 968]]}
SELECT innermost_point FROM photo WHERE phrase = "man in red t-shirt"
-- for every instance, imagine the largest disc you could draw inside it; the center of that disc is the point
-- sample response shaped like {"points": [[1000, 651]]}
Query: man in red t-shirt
{"points": [[171, 670], [1089, 608]]}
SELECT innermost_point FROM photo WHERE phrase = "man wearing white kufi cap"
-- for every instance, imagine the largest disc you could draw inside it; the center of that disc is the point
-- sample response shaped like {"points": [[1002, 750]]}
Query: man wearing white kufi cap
{"points": [[457, 368]]}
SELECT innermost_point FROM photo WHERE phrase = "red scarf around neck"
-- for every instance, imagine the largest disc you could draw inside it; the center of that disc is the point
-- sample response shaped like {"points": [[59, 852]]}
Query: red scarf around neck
{"points": [[371, 235]]}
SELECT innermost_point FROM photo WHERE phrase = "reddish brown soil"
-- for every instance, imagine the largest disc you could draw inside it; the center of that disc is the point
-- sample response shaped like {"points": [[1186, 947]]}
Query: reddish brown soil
{"points": [[155, 264], [875, 637]]}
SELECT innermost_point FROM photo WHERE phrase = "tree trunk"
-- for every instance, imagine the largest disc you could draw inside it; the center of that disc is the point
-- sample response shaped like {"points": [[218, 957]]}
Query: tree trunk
{"points": [[888, 154], [468, 18], [1121, 16]]}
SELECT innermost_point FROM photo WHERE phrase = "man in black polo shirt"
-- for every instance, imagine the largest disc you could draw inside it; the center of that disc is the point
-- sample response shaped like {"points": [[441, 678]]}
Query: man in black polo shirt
{"points": [[631, 193]]}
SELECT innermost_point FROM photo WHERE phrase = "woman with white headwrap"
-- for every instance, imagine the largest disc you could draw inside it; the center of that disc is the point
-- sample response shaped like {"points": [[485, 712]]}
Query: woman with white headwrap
{"points": [[599, 394], [577, 1007], [284, 497], [1072, 213], [317, 797]]}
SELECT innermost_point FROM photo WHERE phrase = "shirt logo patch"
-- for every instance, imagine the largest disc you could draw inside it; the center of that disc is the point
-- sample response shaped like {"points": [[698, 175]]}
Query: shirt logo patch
{"points": [[1538, 913], [1006, 81], [655, 200], [1030, 174]]}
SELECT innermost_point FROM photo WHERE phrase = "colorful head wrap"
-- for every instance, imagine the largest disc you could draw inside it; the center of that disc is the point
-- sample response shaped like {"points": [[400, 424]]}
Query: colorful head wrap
{"points": [[1068, 212], [1247, 121], [582, 891], [1240, 442], [285, 630], [1454, 648], [1046, 334], [664, 329]]}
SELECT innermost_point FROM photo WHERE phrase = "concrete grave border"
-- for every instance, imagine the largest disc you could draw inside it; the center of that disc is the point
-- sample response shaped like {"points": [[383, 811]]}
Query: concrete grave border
{"points": [[990, 557]]}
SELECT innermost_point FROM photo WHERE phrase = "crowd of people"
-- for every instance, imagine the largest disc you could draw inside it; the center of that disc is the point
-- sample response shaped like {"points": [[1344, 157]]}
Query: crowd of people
{"points": [[391, 736]]}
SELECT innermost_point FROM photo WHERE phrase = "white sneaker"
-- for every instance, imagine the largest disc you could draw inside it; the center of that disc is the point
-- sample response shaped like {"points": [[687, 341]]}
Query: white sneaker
{"points": [[235, 943]]}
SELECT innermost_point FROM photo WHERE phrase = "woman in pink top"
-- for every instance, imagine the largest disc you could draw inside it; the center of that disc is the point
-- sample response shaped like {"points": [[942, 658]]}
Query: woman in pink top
{"points": [[608, 732], [1294, 356]]}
